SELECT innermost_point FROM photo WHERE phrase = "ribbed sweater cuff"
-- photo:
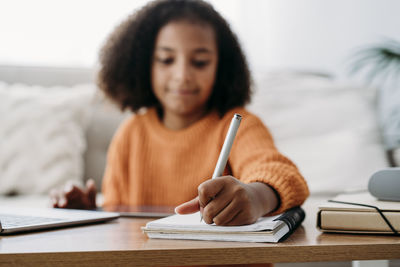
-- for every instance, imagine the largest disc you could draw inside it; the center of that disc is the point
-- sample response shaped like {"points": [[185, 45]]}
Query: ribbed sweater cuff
{"points": [[285, 184]]}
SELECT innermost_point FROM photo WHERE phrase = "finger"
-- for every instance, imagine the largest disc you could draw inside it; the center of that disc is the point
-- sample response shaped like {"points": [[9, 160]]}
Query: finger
{"points": [[209, 189], [72, 192], [91, 192], [242, 218], [227, 214], [188, 207], [216, 205], [90, 185], [54, 198], [71, 196], [62, 202], [91, 189], [69, 185], [54, 203], [235, 220]]}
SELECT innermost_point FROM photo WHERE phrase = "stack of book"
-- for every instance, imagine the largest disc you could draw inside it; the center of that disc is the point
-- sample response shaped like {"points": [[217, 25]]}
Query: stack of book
{"points": [[359, 213], [266, 229]]}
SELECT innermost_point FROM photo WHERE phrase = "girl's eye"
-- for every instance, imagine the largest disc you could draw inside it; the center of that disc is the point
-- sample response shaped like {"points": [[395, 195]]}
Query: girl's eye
{"points": [[200, 63], [165, 61]]}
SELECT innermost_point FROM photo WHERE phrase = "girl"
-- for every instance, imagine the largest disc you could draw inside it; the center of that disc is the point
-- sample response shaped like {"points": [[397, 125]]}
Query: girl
{"points": [[177, 65]]}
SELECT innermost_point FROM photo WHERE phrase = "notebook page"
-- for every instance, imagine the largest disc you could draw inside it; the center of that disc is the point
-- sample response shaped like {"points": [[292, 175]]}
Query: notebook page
{"points": [[192, 222]]}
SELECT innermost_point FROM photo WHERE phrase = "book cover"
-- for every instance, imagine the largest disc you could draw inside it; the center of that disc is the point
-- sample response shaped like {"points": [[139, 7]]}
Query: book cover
{"points": [[265, 229], [343, 216]]}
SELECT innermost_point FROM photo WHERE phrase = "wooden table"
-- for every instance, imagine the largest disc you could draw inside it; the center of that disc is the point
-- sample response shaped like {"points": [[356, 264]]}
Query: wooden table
{"points": [[121, 242]]}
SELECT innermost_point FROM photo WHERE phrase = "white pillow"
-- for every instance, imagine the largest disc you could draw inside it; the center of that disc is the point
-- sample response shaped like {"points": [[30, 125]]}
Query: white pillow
{"points": [[42, 136], [327, 128]]}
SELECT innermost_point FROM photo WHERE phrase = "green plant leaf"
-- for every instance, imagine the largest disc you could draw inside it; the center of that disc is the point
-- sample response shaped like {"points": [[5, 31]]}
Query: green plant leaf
{"points": [[379, 62]]}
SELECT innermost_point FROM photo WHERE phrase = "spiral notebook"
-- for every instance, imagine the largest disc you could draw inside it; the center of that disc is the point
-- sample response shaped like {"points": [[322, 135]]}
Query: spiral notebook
{"points": [[266, 229]]}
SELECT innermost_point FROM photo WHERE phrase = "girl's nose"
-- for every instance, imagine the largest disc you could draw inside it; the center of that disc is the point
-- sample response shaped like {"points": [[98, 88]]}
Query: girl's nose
{"points": [[182, 71]]}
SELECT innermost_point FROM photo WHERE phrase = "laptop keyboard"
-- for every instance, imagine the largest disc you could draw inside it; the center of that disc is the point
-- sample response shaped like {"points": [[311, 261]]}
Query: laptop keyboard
{"points": [[11, 221]]}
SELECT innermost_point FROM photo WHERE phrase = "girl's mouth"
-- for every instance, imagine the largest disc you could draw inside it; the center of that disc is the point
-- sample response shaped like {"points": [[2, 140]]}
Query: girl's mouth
{"points": [[184, 92]]}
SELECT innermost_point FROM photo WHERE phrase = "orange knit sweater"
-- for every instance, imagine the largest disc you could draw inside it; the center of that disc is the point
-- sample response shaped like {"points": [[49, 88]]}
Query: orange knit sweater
{"points": [[149, 164]]}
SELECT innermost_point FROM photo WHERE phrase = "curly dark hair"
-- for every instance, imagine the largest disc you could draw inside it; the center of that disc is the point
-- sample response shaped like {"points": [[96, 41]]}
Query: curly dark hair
{"points": [[126, 57]]}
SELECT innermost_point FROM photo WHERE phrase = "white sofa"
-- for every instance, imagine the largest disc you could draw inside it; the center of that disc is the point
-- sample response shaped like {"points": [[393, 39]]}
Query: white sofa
{"points": [[327, 128]]}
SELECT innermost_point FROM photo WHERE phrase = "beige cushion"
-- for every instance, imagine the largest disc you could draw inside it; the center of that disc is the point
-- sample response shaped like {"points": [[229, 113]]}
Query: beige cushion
{"points": [[106, 118]]}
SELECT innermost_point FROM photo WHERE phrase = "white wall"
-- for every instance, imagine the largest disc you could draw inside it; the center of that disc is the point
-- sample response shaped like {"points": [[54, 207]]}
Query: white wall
{"points": [[297, 34], [58, 33], [314, 34]]}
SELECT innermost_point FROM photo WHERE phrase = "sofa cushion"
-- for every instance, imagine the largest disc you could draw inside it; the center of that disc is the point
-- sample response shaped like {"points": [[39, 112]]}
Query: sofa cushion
{"points": [[43, 136], [328, 128]]}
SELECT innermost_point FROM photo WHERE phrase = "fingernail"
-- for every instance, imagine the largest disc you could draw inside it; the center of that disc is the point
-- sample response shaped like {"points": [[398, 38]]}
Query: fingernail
{"points": [[62, 202], [68, 188]]}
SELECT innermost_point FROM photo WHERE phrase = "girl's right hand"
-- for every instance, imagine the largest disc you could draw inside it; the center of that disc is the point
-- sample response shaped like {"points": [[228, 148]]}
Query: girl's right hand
{"points": [[73, 197]]}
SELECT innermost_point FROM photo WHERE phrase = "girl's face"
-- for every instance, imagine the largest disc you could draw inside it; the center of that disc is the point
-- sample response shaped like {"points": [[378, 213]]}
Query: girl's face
{"points": [[184, 67]]}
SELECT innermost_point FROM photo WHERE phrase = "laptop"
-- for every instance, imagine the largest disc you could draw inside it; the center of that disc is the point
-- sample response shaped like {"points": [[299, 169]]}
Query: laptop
{"points": [[16, 220]]}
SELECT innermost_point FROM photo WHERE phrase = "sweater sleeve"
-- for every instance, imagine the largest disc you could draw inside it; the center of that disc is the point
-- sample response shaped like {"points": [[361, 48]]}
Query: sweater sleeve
{"points": [[254, 158], [116, 173]]}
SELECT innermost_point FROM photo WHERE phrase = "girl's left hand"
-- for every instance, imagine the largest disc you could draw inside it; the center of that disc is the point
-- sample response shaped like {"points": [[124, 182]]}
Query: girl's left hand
{"points": [[227, 201]]}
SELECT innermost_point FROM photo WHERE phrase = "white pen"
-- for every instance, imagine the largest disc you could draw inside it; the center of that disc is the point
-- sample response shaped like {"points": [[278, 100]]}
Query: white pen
{"points": [[226, 148]]}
